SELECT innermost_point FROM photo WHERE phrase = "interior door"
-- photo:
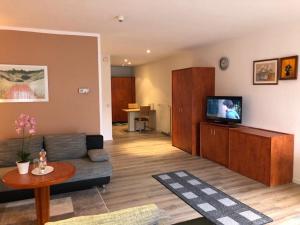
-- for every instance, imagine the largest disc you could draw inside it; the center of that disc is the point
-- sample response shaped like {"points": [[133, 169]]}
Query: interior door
{"points": [[122, 93]]}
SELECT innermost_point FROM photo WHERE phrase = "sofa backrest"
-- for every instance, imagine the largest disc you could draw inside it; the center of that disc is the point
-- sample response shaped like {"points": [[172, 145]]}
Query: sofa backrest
{"points": [[65, 146], [58, 147], [10, 147]]}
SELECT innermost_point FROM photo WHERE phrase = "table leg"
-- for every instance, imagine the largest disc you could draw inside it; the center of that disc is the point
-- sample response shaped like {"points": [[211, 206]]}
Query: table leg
{"points": [[42, 204]]}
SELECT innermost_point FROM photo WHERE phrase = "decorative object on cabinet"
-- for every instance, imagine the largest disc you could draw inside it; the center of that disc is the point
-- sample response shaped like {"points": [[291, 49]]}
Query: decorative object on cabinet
{"points": [[190, 87], [265, 72], [23, 83], [289, 68]]}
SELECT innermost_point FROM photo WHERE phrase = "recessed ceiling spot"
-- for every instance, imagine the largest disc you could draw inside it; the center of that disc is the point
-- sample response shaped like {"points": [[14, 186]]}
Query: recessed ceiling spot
{"points": [[148, 51], [129, 63], [125, 60]]}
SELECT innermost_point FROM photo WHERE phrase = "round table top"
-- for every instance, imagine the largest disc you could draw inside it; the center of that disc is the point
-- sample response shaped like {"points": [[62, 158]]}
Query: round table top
{"points": [[62, 171]]}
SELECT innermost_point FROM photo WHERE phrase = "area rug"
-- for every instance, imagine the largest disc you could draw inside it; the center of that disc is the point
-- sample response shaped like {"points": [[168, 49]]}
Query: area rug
{"points": [[213, 204], [62, 206]]}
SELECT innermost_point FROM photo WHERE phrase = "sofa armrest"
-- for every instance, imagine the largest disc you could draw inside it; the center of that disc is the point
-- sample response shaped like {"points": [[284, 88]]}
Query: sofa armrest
{"points": [[94, 141], [142, 215]]}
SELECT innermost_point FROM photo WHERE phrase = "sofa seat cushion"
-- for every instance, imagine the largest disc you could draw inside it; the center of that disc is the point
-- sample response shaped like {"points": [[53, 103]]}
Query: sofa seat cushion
{"points": [[98, 155], [141, 215], [86, 169], [65, 146], [10, 147], [3, 171]]}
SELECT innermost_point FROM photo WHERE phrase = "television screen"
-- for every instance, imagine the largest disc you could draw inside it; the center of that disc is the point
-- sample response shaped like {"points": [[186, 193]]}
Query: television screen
{"points": [[224, 109]]}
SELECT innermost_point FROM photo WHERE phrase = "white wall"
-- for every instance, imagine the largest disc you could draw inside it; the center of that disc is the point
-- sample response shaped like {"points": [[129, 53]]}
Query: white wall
{"points": [[275, 107], [106, 122]]}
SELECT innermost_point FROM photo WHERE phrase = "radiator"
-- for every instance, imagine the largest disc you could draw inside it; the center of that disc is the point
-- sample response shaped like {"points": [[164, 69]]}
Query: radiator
{"points": [[163, 117]]}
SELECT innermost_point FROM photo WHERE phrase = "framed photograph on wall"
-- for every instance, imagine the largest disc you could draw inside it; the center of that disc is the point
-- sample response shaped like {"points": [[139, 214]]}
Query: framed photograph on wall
{"points": [[23, 83], [289, 68], [265, 72]]}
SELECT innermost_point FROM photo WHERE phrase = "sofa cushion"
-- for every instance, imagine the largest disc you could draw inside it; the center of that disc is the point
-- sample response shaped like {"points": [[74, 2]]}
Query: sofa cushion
{"points": [[86, 169], [65, 146], [94, 141], [10, 147], [141, 215], [98, 155], [3, 171]]}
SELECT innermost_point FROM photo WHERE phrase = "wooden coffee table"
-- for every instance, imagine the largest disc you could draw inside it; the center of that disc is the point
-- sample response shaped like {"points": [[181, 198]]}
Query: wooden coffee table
{"points": [[41, 185]]}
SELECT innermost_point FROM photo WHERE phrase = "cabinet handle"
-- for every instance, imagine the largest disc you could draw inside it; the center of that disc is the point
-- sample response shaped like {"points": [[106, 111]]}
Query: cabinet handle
{"points": [[214, 132]]}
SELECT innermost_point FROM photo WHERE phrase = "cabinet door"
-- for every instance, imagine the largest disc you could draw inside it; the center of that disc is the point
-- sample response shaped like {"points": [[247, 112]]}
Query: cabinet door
{"points": [[214, 143], [250, 156], [220, 145], [206, 140]]}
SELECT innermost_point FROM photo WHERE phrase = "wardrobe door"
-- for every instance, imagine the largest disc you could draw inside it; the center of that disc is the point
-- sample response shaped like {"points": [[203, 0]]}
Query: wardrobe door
{"points": [[186, 109], [176, 110], [181, 110]]}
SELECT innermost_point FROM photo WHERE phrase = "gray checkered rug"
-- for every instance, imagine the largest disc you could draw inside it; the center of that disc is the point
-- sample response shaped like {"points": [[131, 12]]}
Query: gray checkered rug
{"points": [[213, 204]]}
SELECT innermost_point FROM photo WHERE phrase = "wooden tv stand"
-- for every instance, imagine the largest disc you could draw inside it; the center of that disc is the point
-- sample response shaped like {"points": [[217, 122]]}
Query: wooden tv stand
{"points": [[263, 155]]}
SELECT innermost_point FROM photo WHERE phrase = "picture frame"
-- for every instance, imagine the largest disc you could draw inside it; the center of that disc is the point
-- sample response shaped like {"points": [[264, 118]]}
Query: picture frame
{"points": [[289, 68], [23, 83], [265, 72]]}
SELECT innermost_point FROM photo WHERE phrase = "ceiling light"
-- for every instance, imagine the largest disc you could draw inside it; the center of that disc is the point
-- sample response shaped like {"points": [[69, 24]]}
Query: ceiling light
{"points": [[125, 60], [129, 63], [148, 51]]}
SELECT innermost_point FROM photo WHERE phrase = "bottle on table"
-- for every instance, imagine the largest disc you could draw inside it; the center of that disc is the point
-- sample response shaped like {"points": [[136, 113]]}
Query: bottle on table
{"points": [[42, 161]]}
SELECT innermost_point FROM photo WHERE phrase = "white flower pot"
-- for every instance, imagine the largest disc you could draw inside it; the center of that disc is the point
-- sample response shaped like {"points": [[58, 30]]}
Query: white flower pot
{"points": [[23, 167]]}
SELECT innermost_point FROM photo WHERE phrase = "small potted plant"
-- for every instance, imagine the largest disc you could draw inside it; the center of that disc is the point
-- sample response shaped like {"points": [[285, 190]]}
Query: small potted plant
{"points": [[25, 126]]}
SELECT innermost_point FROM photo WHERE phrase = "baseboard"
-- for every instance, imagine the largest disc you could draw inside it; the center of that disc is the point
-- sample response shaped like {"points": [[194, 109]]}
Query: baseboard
{"points": [[296, 180]]}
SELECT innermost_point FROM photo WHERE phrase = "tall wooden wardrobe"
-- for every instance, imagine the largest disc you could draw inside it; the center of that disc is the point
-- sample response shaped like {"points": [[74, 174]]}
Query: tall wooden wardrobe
{"points": [[189, 90]]}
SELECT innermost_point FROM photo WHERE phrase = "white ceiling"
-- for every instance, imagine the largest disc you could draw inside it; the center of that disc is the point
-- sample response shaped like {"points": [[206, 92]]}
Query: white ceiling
{"points": [[164, 26]]}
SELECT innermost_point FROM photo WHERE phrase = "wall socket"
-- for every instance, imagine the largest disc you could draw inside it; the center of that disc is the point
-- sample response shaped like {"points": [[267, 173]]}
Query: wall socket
{"points": [[83, 90]]}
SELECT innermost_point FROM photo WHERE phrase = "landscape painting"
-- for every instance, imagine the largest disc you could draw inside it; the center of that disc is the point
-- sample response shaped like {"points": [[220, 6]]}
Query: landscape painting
{"points": [[23, 83], [265, 71]]}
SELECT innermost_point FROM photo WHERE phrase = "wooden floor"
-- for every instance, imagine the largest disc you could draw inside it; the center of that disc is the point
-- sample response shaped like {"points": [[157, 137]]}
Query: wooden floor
{"points": [[136, 157]]}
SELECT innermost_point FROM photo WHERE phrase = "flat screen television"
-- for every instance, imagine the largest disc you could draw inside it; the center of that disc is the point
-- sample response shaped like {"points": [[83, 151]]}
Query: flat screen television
{"points": [[224, 109]]}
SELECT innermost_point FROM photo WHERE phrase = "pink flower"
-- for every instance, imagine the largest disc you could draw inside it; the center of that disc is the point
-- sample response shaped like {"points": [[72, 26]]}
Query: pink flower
{"points": [[25, 123], [31, 131]]}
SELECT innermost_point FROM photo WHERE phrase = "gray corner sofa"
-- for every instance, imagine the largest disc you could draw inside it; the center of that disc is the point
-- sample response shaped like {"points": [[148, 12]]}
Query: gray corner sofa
{"points": [[85, 152]]}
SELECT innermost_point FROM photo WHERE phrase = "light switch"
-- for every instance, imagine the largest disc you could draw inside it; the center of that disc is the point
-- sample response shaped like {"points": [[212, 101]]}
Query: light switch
{"points": [[83, 90]]}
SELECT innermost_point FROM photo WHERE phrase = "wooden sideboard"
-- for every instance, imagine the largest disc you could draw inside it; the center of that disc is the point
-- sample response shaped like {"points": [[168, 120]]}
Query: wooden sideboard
{"points": [[263, 155]]}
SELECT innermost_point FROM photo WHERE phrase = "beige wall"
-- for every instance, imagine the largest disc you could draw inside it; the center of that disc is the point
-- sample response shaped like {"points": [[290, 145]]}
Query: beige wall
{"points": [[72, 63], [270, 107]]}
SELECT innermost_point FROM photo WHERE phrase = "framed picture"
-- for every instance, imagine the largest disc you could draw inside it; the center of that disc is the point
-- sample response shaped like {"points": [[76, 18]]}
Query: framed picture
{"points": [[289, 68], [23, 83], [265, 72]]}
